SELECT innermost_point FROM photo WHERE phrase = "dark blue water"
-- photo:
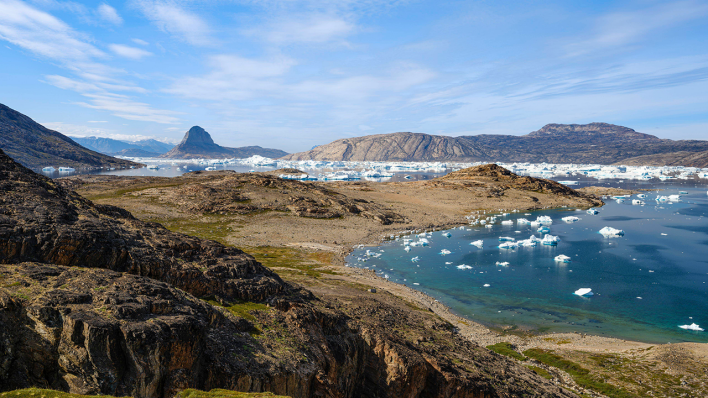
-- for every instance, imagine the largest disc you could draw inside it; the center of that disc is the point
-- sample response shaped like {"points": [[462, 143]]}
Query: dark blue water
{"points": [[662, 258]]}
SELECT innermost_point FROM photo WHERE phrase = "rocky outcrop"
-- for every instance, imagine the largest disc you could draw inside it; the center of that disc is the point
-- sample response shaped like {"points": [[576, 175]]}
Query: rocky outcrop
{"points": [[592, 143], [394, 147], [41, 221], [197, 143], [36, 146], [95, 331], [682, 158]]}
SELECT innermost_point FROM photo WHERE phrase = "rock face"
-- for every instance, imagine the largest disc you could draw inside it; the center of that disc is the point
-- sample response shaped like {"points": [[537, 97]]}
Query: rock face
{"points": [[682, 158], [40, 221], [197, 143], [93, 301], [556, 143], [393, 147], [35, 146]]}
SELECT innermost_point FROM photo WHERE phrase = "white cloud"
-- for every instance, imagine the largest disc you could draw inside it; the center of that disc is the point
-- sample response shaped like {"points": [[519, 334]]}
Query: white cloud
{"points": [[175, 20], [141, 42], [109, 14], [312, 28], [43, 34], [129, 52]]}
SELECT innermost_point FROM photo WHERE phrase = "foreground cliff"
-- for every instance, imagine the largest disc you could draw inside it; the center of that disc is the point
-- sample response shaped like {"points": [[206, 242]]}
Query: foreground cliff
{"points": [[94, 301]]}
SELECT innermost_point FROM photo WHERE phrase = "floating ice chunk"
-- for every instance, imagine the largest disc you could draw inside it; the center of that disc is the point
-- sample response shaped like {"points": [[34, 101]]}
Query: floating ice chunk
{"points": [[446, 234], [445, 252], [504, 264], [478, 243], [464, 266], [611, 232], [663, 234], [586, 291], [674, 198], [489, 226], [416, 283], [544, 220], [507, 222], [641, 196], [550, 240], [543, 230], [562, 258], [415, 259], [408, 248], [530, 242], [638, 297], [506, 239], [486, 285], [638, 202], [522, 221], [570, 219], [692, 326], [592, 211], [683, 192], [509, 245], [662, 198]]}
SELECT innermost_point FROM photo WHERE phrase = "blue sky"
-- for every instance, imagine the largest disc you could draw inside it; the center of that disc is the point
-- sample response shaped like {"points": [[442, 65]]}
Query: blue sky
{"points": [[292, 74]]}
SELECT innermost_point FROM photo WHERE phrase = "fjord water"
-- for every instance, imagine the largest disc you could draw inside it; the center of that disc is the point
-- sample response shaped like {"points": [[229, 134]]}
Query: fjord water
{"points": [[662, 258]]}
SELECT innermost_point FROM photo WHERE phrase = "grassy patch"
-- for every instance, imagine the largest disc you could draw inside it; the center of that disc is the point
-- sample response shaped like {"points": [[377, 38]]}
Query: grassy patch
{"points": [[295, 261], [121, 192], [581, 375], [506, 349], [540, 371], [42, 393], [213, 227], [217, 393], [242, 309]]}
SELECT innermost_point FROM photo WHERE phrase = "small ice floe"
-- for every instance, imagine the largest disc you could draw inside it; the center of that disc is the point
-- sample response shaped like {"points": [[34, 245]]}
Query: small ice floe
{"points": [[620, 200], [464, 266], [503, 264], [641, 196], [448, 262], [444, 252], [530, 242], [592, 211], [407, 248], [683, 192], [544, 220], [446, 234], [415, 259], [562, 258], [611, 232], [674, 198], [507, 222], [505, 239], [489, 226], [663, 234], [570, 219], [416, 283], [478, 243], [550, 240], [527, 214], [372, 254], [692, 326], [586, 291], [543, 230], [639, 297], [522, 221], [638, 202], [461, 228], [508, 245], [486, 285]]}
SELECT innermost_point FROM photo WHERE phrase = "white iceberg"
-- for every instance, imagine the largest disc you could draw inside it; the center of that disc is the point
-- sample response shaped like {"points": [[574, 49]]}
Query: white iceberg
{"points": [[611, 232], [446, 234], [486, 285], [478, 243], [507, 222], [464, 266], [592, 211], [562, 258], [692, 326], [522, 221], [570, 219], [504, 264], [509, 245], [586, 291], [550, 240], [408, 248], [637, 202], [506, 239], [445, 252], [544, 220], [415, 259]]}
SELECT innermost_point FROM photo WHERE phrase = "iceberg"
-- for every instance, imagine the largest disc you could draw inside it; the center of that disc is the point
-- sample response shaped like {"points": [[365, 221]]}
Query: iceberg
{"points": [[692, 326], [446, 234], [49, 169], [504, 264], [562, 258], [586, 291], [506, 239], [445, 252], [486, 285], [70, 169], [611, 232], [544, 220], [507, 222], [530, 242], [478, 243], [415, 259], [674, 198], [637, 202], [570, 219], [522, 221], [464, 266], [509, 245], [592, 211], [550, 240], [543, 230]]}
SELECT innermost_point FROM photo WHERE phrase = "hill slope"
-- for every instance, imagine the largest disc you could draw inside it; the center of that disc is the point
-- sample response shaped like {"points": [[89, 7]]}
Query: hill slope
{"points": [[36, 146], [197, 143], [110, 146], [555, 143], [681, 158]]}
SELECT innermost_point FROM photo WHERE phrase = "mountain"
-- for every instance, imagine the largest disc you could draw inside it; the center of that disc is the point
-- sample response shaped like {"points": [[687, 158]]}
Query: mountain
{"points": [[393, 147], [36, 146], [592, 143], [682, 158], [94, 301], [136, 153], [110, 146], [197, 143]]}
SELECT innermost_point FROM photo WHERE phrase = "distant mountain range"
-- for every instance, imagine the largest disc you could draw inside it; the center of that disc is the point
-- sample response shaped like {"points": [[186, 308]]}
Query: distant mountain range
{"points": [[592, 143], [109, 146], [36, 146], [197, 143]]}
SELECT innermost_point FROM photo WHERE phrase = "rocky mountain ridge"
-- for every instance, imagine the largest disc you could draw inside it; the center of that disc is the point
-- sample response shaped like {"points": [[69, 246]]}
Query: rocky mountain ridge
{"points": [[197, 143], [36, 146], [592, 143], [113, 147]]}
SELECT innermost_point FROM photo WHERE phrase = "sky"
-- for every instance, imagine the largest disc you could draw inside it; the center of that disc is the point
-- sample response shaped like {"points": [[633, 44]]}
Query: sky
{"points": [[293, 74]]}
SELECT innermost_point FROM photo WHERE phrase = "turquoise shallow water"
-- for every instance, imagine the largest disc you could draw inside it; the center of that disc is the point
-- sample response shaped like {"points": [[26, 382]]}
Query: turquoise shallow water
{"points": [[662, 258]]}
